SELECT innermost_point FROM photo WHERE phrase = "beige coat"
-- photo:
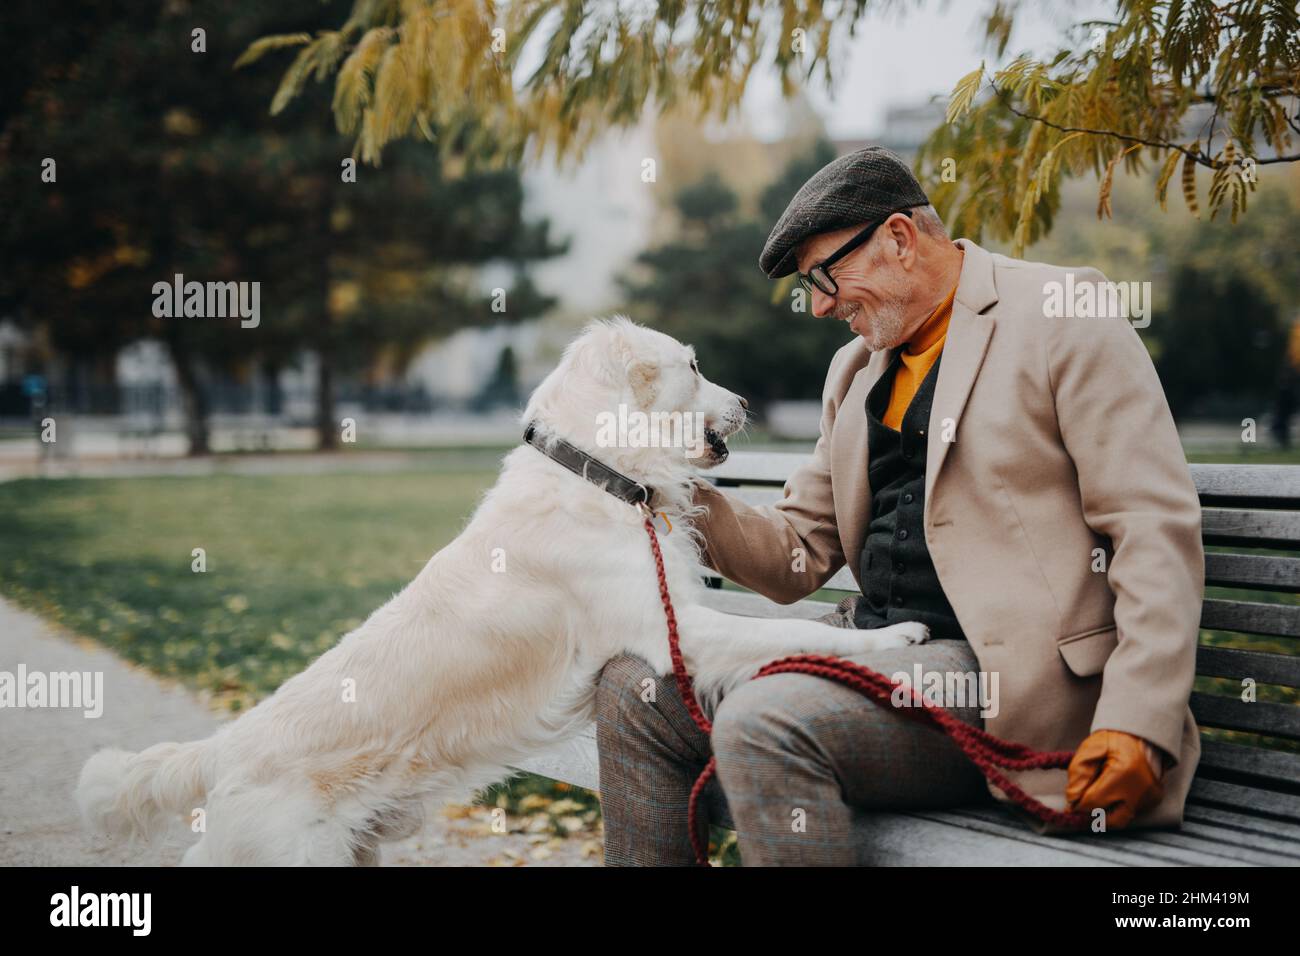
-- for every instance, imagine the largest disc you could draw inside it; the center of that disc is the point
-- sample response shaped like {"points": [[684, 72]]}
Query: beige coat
{"points": [[1049, 438]]}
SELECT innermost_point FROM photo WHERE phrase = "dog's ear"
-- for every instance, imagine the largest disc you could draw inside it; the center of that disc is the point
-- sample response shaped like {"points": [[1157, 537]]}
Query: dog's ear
{"points": [[642, 377]]}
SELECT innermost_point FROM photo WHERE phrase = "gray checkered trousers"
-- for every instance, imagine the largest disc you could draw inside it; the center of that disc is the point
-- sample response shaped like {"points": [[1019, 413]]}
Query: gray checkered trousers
{"points": [[802, 762]]}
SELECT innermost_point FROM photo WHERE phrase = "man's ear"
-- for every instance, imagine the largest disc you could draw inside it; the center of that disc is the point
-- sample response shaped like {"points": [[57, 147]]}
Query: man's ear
{"points": [[902, 230], [642, 377]]}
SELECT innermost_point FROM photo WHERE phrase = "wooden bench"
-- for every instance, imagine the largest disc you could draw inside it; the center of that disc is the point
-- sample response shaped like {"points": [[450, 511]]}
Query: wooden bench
{"points": [[1244, 806]]}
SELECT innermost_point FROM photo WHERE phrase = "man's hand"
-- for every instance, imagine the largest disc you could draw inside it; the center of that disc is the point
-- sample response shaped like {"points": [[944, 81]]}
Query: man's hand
{"points": [[1117, 772]]}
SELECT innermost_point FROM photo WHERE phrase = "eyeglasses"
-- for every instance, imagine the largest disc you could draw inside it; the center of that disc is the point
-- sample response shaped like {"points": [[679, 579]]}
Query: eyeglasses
{"points": [[819, 276]]}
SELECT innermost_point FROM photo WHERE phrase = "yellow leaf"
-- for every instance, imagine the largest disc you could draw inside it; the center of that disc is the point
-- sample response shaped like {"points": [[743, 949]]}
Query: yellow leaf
{"points": [[1107, 181], [1189, 184], [258, 48], [963, 94], [1166, 174]]}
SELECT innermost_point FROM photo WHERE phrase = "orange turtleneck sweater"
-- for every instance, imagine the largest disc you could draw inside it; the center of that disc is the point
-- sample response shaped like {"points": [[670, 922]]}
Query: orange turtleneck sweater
{"points": [[919, 356]]}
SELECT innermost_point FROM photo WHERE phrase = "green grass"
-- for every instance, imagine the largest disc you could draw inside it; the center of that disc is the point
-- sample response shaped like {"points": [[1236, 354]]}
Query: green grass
{"points": [[293, 563], [1245, 455]]}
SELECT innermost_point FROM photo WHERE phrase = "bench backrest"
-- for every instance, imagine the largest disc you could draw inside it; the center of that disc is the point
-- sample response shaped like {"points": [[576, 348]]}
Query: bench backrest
{"points": [[1250, 620]]}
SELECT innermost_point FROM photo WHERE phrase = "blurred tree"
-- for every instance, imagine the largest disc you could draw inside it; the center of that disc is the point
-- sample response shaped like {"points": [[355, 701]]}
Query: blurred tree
{"points": [[503, 387], [167, 163], [1259, 258], [1222, 350], [394, 264], [705, 287], [1117, 90], [1124, 90]]}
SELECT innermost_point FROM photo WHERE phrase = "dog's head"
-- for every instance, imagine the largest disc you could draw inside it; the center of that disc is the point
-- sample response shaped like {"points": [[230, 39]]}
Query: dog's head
{"points": [[641, 389]]}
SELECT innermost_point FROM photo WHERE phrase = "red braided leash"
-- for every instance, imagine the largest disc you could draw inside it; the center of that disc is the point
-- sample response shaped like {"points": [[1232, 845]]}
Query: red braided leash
{"points": [[989, 753]]}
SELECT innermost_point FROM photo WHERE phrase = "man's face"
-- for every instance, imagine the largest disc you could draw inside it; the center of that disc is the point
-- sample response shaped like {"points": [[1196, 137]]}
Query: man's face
{"points": [[874, 290]]}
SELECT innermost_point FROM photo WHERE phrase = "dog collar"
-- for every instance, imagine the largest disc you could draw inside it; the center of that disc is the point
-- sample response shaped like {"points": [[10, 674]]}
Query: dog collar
{"points": [[585, 466]]}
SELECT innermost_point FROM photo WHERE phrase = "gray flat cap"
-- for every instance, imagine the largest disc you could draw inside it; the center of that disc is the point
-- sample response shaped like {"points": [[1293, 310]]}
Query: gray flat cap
{"points": [[863, 186]]}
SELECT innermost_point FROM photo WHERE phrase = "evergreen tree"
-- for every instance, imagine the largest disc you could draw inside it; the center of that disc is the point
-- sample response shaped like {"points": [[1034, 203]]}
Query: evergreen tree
{"points": [[1222, 349], [168, 162], [503, 387]]}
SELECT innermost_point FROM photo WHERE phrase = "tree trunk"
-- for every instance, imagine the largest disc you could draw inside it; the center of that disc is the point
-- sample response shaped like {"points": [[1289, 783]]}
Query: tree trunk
{"points": [[194, 401], [274, 400], [326, 427]]}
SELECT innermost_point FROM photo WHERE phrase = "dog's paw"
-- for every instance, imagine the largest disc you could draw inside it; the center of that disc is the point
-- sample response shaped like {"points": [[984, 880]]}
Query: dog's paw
{"points": [[914, 632], [899, 635]]}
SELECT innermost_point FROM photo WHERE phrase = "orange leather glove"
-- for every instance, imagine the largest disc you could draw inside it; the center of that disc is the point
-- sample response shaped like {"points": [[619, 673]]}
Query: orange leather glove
{"points": [[1119, 773]]}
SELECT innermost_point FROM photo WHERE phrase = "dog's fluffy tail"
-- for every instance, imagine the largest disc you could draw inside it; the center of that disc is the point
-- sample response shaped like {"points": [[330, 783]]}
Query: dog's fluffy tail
{"points": [[125, 794]]}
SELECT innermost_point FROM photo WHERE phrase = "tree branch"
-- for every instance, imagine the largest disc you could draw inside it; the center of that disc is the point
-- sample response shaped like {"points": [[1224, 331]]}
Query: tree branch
{"points": [[1197, 156]]}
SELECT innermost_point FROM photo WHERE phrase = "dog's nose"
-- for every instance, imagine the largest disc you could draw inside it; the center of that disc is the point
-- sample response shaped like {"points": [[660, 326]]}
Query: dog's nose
{"points": [[743, 403]]}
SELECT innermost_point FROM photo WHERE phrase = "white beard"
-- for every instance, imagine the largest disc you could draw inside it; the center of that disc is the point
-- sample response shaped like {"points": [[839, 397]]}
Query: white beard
{"points": [[886, 327]]}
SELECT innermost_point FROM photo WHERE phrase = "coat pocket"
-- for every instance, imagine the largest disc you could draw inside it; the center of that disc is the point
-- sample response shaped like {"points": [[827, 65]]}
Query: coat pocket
{"points": [[1086, 653]]}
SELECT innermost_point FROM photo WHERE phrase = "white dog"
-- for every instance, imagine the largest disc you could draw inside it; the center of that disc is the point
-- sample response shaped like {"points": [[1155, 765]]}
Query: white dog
{"points": [[492, 652]]}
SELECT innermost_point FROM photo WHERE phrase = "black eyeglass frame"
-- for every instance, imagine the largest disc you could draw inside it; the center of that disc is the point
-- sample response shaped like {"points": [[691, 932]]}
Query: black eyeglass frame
{"points": [[809, 280]]}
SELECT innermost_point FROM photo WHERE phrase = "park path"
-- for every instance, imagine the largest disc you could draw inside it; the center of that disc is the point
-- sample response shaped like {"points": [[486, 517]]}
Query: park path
{"points": [[42, 751]]}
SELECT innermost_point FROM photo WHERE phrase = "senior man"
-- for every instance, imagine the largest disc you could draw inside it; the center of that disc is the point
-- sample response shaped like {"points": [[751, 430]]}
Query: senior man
{"points": [[1012, 480]]}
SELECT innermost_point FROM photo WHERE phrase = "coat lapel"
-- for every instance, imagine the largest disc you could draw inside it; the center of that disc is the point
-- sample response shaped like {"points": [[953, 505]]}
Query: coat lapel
{"points": [[963, 353], [968, 337]]}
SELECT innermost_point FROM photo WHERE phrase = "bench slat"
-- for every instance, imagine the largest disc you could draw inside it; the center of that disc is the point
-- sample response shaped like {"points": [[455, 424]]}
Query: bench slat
{"points": [[1259, 717], [1251, 617], [1258, 571], [1250, 528], [1220, 793], [574, 762], [907, 839], [841, 580], [1205, 840], [1231, 527], [754, 496], [1288, 834], [1238, 759], [1276, 486], [1131, 848], [748, 604], [1233, 664], [758, 468], [1269, 574], [1228, 844]]}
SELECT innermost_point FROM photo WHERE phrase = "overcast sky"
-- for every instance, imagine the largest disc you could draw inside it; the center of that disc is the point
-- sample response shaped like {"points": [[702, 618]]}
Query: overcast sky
{"points": [[902, 59]]}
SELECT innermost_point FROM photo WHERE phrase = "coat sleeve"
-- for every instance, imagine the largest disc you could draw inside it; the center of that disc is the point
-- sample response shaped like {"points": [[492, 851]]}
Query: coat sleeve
{"points": [[1136, 490], [788, 550]]}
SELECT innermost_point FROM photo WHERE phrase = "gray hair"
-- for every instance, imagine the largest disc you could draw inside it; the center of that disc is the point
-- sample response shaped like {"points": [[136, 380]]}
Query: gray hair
{"points": [[927, 221]]}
